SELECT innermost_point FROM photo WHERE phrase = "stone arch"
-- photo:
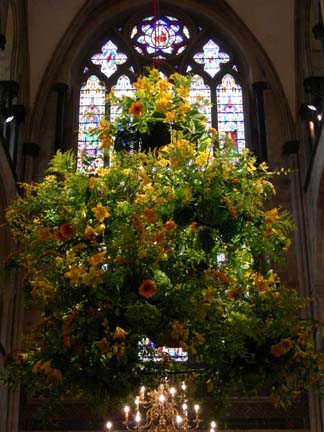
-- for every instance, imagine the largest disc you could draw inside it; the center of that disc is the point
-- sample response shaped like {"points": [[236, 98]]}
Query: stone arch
{"points": [[91, 22]]}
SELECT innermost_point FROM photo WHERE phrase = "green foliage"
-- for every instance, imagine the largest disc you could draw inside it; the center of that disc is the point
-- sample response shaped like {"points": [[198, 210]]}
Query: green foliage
{"points": [[175, 245]]}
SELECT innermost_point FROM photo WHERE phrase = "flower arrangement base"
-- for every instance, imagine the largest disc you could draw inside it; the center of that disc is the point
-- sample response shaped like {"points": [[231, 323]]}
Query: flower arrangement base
{"points": [[158, 136]]}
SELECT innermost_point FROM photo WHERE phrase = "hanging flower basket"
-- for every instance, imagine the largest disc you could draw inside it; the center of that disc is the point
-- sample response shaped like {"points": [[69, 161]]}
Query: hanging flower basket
{"points": [[175, 246]]}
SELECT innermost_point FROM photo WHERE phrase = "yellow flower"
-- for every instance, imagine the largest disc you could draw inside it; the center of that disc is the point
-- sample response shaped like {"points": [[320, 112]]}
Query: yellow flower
{"points": [[184, 107], [93, 277], [98, 258], [177, 329], [36, 366], [105, 142], [45, 367], [104, 124], [170, 116], [99, 229], [120, 350], [119, 334], [101, 212], [260, 282], [250, 167], [102, 172], [183, 92], [163, 103], [57, 374], [89, 231], [209, 294], [8, 215], [202, 158], [271, 216], [263, 166], [103, 345], [74, 274], [163, 85]]}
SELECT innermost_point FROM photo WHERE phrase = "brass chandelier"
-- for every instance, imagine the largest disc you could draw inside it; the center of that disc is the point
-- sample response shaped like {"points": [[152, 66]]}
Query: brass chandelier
{"points": [[164, 409]]}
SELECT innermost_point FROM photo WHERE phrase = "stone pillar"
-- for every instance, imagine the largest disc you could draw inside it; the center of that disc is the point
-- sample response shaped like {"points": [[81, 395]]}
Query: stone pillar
{"points": [[261, 150], [30, 153], [62, 90]]}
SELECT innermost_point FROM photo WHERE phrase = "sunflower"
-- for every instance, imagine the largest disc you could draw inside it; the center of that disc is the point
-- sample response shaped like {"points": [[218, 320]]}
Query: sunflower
{"points": [[136, 108], [147, 288]]}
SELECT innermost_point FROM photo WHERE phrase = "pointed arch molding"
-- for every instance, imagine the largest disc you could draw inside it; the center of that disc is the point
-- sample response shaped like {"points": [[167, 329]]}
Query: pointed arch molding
{"points": [[94, 18]]}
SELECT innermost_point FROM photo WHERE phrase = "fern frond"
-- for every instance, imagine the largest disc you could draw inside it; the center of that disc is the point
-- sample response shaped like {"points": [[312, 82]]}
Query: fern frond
{"points": [[62, 163]]}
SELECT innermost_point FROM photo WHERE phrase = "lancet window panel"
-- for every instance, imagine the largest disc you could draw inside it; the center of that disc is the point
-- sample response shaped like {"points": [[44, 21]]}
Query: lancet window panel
{"points": [[91, 110]]}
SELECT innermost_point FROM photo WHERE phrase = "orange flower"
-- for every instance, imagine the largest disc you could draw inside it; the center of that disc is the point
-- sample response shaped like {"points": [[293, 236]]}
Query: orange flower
{"points": [[147, 288], [138, 224], [194, 226], [230, 294], [218, 274], [281, 348], [44, 233], [8, 215], [136, 108], [149, 215], [170, 225]]}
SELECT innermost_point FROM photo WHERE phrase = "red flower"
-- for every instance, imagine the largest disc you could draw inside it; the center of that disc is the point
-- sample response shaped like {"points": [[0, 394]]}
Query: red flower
{"points": [[65, 232], [147, 288]]}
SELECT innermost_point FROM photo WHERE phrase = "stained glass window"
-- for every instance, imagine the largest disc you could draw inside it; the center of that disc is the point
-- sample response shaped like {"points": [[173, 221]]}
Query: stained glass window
{"points": [[230, 115], [109, 59], [147, 348], [200, 95], [123, 87], [211, 58], [160, 37], [92, 109], [178, 46]]}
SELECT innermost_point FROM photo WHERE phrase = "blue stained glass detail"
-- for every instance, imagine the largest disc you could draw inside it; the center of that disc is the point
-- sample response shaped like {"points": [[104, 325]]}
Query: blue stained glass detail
{"points": [[211, 58]]}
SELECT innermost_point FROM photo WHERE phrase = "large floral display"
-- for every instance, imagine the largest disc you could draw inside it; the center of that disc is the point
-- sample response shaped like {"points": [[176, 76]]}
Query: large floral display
{"points": [[174, 243]]}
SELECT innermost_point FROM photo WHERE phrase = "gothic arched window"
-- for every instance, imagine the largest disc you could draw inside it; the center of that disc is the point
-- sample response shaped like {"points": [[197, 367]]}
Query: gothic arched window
{"points": [[172, 44]]}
